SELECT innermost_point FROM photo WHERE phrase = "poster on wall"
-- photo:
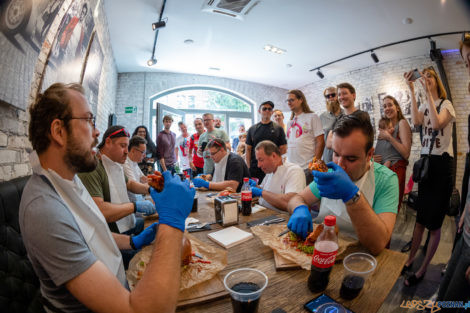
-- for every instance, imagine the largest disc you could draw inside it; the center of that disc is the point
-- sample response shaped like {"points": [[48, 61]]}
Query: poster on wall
{"points": [[92, 74], [23, 28], [68, 50], [367, 106]]}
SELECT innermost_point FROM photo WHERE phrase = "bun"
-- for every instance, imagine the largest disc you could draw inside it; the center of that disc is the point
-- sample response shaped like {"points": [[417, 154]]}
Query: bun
{"points": [[317, 165], [156, 181], [186, 251]]}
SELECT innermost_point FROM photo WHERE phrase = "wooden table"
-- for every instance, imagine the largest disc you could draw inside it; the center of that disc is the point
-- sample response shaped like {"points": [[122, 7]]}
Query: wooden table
{"points": [[288, 289]]}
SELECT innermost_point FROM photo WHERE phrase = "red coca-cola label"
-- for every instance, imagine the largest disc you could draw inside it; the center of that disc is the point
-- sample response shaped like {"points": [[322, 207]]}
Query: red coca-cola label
{"points": [[246, 196], [324, 259]]}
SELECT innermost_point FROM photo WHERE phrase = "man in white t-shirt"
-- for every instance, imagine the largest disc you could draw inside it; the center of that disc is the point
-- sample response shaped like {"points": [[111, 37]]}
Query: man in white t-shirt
{"points": [[137, 149], [182, 149], [283, 179], [304, 131]]}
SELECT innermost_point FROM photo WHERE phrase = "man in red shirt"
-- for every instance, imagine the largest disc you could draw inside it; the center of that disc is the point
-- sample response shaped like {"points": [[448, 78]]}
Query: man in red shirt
{"points": [[196, 162]]}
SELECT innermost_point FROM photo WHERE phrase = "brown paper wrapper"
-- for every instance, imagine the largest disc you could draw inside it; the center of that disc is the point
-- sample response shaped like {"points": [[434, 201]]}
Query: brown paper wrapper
{"points": [[191, 274], [269, 236]]}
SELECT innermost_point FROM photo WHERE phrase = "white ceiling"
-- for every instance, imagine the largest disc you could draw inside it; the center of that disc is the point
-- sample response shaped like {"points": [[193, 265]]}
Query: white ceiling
{"points": [[313, 32]]}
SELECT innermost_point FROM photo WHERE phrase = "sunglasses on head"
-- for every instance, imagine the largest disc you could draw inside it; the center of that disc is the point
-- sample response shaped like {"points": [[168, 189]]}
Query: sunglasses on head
{"points": [[331, 95], [118, 131], [465, 37]]}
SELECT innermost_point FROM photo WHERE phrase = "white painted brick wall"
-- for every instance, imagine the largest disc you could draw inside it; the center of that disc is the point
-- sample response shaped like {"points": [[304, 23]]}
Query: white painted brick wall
{"points": [[14, 143], [135, 89]]}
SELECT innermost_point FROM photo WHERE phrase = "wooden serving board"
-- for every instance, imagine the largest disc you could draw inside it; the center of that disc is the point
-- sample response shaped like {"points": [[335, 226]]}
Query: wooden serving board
{"points": [[283, 264], [204, 292]]}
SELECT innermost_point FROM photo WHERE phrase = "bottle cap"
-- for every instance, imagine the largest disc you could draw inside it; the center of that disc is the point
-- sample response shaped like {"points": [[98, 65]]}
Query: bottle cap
{"points": [[330, 220], [246, 179]]}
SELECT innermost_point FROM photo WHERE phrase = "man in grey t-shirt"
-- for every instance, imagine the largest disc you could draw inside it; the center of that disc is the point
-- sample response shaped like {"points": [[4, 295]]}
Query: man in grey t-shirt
{"points": [[71, 249], [206, 137], [329, 118]]}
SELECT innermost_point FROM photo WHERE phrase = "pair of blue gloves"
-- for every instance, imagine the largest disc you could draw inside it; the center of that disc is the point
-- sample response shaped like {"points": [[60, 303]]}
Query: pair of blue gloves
{"points": [[333, 185], [199, 182], [145, 207]]}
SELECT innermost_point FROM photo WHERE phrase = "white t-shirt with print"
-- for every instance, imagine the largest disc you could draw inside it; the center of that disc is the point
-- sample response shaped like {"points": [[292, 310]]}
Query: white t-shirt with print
{"points": [[182, 143], [301, 134], [443, 142], [289, 177]]}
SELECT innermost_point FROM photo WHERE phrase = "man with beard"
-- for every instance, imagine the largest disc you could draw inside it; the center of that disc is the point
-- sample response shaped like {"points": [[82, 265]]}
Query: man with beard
{"points": [[71, 249], [217, 122], [329, 118]]}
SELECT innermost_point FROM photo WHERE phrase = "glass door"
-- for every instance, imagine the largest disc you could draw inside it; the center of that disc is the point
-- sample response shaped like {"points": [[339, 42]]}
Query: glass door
{"points": [[162, 110]]}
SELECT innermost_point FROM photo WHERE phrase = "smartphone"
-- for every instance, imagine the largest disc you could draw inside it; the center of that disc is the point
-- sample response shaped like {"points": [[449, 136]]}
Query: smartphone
{"points": [[313, 305], [415, 75]]}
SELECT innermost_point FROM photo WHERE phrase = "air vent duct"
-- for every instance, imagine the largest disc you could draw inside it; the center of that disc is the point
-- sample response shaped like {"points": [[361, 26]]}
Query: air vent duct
{"points": [[232, 8]]}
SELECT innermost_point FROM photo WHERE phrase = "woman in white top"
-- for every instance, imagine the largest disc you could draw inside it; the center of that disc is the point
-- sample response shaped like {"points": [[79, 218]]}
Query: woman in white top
{"points": [[435, 115]]}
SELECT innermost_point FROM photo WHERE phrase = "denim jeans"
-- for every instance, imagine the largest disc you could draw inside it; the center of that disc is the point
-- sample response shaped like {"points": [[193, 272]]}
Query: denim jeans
{"points": [[127, 255]]}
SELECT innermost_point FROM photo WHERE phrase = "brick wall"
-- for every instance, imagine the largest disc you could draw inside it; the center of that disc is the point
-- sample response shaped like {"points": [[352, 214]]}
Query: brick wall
{"points": [[22, 74], [135, 89], [387, 78]]}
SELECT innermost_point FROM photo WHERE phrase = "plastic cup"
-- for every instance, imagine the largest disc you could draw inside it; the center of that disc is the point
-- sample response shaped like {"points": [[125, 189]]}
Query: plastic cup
{"points": [[357, 268], [245, 286]]}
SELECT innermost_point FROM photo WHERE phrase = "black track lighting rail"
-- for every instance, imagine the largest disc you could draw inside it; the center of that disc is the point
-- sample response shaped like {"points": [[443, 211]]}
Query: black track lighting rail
{"points": [[387, 45]]}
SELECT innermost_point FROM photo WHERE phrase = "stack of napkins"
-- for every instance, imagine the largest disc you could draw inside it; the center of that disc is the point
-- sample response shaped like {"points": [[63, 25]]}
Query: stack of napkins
{"points": [[229, 237]]}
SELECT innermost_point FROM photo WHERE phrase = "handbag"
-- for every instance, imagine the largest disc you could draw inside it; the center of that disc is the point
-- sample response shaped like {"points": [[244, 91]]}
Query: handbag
{"points": [[421, 167], [454, 204]]}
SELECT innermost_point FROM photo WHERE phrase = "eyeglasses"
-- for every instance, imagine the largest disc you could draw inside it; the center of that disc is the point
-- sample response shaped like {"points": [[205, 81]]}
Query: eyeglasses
{"points": [[266, 109], [214, 153], [118, 131], [331, 95], [141, 151], [91, 120]]}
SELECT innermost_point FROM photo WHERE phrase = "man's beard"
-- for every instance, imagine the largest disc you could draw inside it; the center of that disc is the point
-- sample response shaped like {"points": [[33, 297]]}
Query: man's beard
{"points": [[332, 106], [79, 159]]}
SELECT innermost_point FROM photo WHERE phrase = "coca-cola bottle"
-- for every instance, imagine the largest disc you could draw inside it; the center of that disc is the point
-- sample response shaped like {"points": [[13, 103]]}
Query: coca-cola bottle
{"points": [[246, 197], [324, 255]]}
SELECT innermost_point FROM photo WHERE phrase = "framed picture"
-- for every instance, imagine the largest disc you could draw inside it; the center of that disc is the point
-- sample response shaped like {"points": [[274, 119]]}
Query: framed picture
{"points": [[92, 72]]}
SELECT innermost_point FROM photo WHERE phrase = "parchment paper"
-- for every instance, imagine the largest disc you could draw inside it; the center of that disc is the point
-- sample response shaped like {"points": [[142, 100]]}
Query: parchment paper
{"points": [[269, 236], [191, 274]]}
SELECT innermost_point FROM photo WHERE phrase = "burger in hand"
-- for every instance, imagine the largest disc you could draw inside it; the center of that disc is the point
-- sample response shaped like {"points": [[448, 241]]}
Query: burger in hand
{"points": [[156, 181]]}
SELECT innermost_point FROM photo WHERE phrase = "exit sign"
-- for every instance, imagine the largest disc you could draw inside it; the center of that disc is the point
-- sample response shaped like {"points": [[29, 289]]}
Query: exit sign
{"points": [[130, 109]]}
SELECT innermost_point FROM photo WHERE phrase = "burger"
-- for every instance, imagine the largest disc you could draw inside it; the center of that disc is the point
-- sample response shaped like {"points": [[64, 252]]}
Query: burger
{"points": [[317, 165], [156, 181]]}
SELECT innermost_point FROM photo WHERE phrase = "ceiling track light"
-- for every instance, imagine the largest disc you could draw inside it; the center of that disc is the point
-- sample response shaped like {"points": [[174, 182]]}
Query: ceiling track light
{"points": [[152, 61], [374, 56], [320, 74], [159, 24]]}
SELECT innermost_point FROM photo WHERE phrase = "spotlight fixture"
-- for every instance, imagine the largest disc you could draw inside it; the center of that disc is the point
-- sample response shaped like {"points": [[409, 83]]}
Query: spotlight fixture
{"points": [[152, 61], [158, 25], [320, 74], [374, 56]]}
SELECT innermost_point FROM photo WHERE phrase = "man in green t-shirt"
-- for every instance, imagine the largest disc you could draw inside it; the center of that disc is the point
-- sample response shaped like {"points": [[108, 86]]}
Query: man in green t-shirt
{"points": [[206, 137], [363, 195]]}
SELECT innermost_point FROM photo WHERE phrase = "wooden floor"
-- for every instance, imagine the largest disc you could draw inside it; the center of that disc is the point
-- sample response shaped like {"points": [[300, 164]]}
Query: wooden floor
{"points": [[430, 284]]}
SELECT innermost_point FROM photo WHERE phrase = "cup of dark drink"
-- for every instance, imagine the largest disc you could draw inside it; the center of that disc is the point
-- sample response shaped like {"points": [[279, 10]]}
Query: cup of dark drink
{"points": [[194, 209], [357, 268], [245, 286]]}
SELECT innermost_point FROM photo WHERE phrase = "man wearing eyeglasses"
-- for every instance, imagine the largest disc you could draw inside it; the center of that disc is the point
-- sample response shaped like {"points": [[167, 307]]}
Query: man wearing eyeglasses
{"points": [[266, 129], [229, 170], [329, 118], [362, 194], [108, 186], [72, 251], [137, 149]]}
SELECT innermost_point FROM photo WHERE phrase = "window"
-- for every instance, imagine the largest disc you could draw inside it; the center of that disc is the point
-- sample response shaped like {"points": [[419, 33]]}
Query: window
{"points": [[191, 102]]}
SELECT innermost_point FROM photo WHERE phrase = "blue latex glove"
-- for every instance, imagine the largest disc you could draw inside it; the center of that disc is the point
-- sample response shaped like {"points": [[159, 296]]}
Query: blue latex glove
{"points": [[252, 183], [145, 237], [336, 184], [300, 222], [256, 192], [175, 201], [199, 182], [145, 206]]}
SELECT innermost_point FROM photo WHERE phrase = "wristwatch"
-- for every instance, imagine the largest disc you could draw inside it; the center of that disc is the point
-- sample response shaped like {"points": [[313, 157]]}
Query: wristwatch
{"points": [[354, 198]]}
